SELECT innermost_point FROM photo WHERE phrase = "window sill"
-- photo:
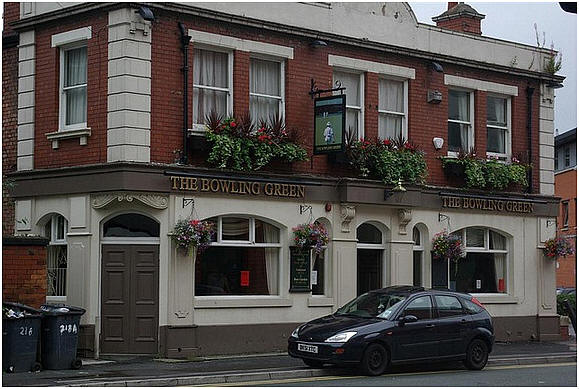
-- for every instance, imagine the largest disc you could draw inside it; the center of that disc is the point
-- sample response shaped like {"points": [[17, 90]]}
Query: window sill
{"points": [[197, 130], [320, 301], [495, 298], [55, 299], [82, 134], [240, 302]]}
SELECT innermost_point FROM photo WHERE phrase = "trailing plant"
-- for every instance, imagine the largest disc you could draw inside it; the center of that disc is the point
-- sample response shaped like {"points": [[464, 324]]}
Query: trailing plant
{"points": [[389, 160], [558, 247], [562, 308], [238, 144], [312, 235], [489, 174], [447, 246], [190, 234]]}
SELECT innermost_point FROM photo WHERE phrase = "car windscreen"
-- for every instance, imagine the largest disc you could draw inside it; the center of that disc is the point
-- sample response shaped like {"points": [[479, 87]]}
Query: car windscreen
{"points": [[372, 304]]}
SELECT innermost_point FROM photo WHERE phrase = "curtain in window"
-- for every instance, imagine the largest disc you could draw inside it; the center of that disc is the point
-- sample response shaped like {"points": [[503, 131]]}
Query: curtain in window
{"points": [[351, 82], [264, 79], [210, 69], [235, 228], [500, 272], [271, 257], [458, 109], [75, 69], [390, 98], [497, 241]]}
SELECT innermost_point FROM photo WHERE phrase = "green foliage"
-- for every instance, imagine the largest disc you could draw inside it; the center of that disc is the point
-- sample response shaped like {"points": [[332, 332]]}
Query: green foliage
{"points": [[489, 174], [388, 160], [562, 307], [237, 144], [554, 60]]}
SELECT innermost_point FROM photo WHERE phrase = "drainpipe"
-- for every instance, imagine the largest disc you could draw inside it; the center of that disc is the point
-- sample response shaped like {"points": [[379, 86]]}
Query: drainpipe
{"points": [[185, 39], [530, 92]]}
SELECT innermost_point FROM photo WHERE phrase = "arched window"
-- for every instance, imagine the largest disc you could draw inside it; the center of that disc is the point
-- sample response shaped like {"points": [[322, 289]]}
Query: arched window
{"points": [[417, 256], [370, 258], [242, 260], [483, 269], [131, 225], [57, 256]]}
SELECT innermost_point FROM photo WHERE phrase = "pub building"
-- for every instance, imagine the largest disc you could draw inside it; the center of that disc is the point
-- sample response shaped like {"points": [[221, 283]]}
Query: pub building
{"points": [[110, 152]]}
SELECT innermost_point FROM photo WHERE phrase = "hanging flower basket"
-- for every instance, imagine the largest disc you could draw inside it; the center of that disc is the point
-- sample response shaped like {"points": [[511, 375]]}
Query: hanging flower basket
{"points": [[558, 247], [312, 235], [191, 234], [446, 246]]}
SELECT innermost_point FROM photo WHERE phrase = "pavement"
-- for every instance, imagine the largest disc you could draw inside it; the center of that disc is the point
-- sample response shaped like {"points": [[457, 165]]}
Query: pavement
{"points": [[146, 371]]}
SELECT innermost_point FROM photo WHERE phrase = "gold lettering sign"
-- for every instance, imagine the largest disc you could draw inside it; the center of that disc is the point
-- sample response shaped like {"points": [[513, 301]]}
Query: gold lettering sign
{"points": [[252, 188], [492, 205]]}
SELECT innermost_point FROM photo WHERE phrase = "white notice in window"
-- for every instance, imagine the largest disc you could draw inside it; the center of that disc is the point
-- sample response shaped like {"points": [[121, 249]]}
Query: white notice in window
{"points": [[314, 277], [478, 284]]}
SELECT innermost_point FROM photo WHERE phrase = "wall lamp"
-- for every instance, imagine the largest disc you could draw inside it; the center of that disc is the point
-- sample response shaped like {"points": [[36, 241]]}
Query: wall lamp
{"points": [[318, 43], [436, 67], [146, 13]]}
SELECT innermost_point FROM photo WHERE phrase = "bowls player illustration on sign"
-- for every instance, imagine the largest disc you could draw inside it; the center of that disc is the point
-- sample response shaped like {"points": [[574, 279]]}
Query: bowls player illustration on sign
{"points": [[329, 122]]}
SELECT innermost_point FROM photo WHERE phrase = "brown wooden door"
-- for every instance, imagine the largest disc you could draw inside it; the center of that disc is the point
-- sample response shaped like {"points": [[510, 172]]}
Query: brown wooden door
{"points": [[130, 299]]}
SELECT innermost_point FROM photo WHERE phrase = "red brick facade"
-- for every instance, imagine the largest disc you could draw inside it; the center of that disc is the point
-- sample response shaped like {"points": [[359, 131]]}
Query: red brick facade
{"points": [[24, 270], [566, 188]]}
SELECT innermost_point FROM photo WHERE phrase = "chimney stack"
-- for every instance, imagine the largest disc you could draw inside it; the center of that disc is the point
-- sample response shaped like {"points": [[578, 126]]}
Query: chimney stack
{"points": [[460, 17]]}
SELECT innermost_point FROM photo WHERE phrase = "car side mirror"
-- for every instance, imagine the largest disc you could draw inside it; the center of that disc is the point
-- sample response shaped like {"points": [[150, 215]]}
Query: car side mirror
{"points": [[407, 319]]}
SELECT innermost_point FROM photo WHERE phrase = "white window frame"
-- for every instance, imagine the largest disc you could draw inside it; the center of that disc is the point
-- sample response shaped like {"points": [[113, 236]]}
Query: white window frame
{"points": [[360, 108], [470, 123], [418, 248], [55, 241], [200, 127], [508, 142], [281, 98], [62, 89], [377, 246], [403, 114]]}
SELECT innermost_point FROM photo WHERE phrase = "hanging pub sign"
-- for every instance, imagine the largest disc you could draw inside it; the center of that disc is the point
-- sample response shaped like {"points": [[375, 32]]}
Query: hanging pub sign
{"points": [[329, 124], [299, 270]]}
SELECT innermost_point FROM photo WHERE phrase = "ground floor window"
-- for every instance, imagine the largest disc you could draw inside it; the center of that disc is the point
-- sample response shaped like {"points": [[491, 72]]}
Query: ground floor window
{"points": [[318, 273], [57, 256], [482, 270], [243, 259]]}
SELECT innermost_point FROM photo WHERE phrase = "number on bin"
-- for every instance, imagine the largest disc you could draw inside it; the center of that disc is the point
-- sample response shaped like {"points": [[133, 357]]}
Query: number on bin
{"points": [[70, 329], [25, 331]]}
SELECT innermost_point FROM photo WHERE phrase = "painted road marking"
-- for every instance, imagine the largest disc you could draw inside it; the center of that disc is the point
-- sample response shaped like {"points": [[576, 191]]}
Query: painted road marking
{"points": [[330, 378]]}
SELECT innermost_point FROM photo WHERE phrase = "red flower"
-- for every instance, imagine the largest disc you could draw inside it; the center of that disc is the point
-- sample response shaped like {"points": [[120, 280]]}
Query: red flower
{"points": [[233, 124], [386, 142]]}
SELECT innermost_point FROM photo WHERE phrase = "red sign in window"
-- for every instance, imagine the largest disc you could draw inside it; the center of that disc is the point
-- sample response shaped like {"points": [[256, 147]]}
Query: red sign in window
{"points": [[501, 285], [244, 278]]}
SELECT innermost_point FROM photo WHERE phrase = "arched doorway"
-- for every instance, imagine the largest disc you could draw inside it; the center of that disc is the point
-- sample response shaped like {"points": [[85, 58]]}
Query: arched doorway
{"points": [[371, 272], [130, 285]]}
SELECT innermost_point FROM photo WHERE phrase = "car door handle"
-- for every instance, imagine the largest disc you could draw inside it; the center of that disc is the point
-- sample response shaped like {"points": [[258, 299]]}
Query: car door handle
{"points": [[463, 321], [430, 326]]}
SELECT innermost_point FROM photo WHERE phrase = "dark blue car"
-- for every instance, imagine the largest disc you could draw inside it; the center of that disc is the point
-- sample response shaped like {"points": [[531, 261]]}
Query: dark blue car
{"points": [[399, 324]]}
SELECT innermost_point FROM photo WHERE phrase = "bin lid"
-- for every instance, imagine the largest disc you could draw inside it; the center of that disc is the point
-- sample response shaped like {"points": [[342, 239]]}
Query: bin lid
{"points": [[15, 311], [61, 309]]}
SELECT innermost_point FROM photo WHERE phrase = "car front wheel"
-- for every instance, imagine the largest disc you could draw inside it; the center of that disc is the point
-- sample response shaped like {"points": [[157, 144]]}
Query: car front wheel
{"points": [[477, 355], [375, 360], [313, 363]]}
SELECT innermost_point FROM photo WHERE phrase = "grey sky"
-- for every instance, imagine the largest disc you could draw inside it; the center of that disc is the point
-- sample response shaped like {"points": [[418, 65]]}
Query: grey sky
{"points": [[514, 22]]}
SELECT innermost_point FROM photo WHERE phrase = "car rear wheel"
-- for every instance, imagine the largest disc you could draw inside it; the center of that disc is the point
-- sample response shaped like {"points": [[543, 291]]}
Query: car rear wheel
{"points": [[375, 360], [313, 363], [477, 355]]}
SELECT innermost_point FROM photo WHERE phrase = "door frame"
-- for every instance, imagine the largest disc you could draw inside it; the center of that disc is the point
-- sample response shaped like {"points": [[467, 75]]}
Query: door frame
{"points": [[384, 246]]}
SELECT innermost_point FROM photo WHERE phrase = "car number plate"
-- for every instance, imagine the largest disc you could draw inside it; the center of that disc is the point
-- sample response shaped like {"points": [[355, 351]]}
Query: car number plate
{"points": [[307, 348]]}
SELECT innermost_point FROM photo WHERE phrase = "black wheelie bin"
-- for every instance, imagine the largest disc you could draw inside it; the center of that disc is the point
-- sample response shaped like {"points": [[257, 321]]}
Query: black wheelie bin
{"points": [[60, 327], [20, 337]]}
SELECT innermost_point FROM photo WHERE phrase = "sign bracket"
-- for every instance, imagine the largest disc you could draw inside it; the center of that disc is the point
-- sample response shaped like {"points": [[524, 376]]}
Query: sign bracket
{"points": [[315, 91]]}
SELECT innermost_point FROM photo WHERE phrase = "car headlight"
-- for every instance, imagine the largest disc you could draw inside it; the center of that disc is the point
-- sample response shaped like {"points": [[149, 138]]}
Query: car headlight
{"points": [[342, 337], [296, 332]]}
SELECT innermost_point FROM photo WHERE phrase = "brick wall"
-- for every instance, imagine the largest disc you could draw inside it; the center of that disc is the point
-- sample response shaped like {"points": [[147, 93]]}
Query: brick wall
{"points": [[566, 188], [462, 24], [24, 270], [9, 111]]}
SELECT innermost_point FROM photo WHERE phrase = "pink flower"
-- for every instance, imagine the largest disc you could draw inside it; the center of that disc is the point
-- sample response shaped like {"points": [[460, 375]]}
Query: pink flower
{"points": [[233, 124]]}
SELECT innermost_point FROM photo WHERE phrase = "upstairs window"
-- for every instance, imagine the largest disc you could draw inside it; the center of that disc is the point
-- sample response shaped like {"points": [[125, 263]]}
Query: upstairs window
{"points": [[212, 85], [460, 121], [391, 109], [498, 126], [567, 156], [266, 90], [73, 82], [354, 84], [565, 211], [556, 158]]}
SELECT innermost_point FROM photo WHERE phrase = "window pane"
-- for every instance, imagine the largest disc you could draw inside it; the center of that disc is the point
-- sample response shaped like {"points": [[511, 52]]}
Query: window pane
{"points": [[75, 67], [265, 232], [440, 273], [369, 265], [420, 307], [448, 306], [75, 105], [458, 137], [497, 241], [265, 77], [367, 233], [210, 68], [351, 82], [391, 96], [497, 111], [475, 237], [352, 122], [237, 271], [417, 268], [318, 268], [131, 225], [60, 227], [565, 205], [234, 228], [496, 138], [389, 126], [56, 264], [205, 101], [416, 237], [479, 273], [459, 106], [263, 108]]}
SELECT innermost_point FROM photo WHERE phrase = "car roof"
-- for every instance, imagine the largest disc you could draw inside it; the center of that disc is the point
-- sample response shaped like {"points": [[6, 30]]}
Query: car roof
{"points": [[408, 290]]}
